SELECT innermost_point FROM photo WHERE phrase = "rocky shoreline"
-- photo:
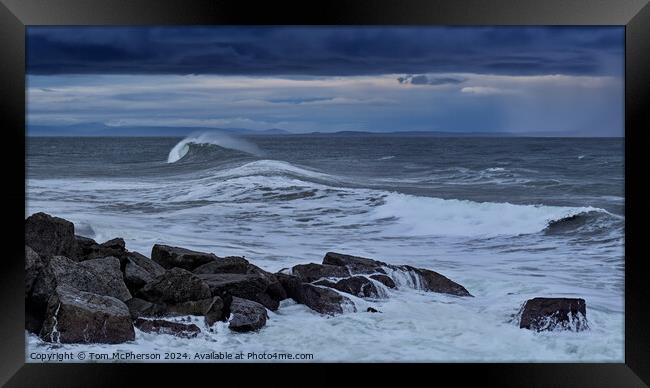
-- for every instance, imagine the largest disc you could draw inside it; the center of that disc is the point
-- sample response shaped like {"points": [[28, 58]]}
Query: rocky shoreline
{"points": [[81, 291]]}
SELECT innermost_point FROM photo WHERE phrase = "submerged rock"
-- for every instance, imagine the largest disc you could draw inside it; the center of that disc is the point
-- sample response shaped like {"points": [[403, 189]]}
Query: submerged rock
{"points": [[175, 285], [75, 316], [246, 315], [50, 236], [323, 300], [355, 264], [542, 314], [384, 279], [435, 282], [169, 257], [356, 285], [159, 326]]}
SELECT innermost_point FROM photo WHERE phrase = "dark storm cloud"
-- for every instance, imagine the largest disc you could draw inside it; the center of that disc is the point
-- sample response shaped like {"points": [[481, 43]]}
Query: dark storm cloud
{"points": [[322, 51]]}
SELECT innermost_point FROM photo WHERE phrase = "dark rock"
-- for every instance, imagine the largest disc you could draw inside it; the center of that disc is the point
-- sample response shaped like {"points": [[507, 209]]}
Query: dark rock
{"points": [[176, 285], [101, 276], [140, 270], [190, 307], [435, 282], [34, 264], [274, 288], [291, 284], [217, 311], [170, 257], [50, 236], [372, 310], [108, 273], [323, 300], [357, 285], [116, 243], [159, 326], [230, 264], [246, 315], [384, 279], [356, 265], [88, 249], [75, 316], [312, 272], [253, 287], [541, 314], [142, 308]]}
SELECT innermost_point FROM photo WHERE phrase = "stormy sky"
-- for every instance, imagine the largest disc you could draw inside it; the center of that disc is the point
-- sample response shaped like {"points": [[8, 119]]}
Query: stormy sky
{"points": [[524, 80]]}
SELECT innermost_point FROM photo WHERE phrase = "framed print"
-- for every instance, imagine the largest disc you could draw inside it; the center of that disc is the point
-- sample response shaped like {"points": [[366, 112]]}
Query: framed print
{"points": [[446, 186]]}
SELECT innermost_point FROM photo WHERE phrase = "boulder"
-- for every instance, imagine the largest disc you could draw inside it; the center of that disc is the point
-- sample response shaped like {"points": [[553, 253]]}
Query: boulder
{"points": [[384, 279], [34, 312], [312, 272], [142, 308], [159, 326], [246, 315], [88, 249], [253, 287], [50, 236], [34, 264], [356, 265], [357, 285], [291, 284], [541, 314], [74, 316], [100, 276], [140, 270], [372, 310], [214, 309], [219, 310], [323, 300], [175, 285], [435, 282], [169, 257], [230, 264]]}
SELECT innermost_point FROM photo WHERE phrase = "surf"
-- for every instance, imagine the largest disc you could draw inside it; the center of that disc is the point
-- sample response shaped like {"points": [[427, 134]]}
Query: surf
{"points": [[220, 139]]}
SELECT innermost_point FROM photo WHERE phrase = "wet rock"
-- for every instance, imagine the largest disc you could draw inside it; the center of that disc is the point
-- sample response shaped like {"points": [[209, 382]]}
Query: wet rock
{"points": [[75, 316], [88, 249], [142, 308], [175, 285], [34, 264], [34, 312], [246, 315], [169, 257], [435, 282], [230, 264], [384, 279], [357, 285], [218, 310], [291, 284], [50, 236], [140, 270], [372, 310], [101, 277], [116, 243], [356, 265], [247, 286], [312, 272], [159, 326], [541, 314], [323, 300]]}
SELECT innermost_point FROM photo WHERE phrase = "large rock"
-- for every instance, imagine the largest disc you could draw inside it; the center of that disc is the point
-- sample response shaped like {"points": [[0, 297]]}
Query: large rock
{"points": [[435, 282], [214, 309], [34, 264], [75, 316], [230, 264], [323, 300], [356, 265], [159, 326], [88, 249], [252, 286], [219, 310], [291, 285], [99, 276], [541, 314], [176, 285], [50, 236], [170, 257], [357, 285], [312, 272], [140, 270], [246, 315], [34, 312]]}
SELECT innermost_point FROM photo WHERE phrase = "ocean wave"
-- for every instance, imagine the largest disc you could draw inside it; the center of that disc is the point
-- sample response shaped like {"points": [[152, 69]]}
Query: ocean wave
{"points": [[182, 148]]}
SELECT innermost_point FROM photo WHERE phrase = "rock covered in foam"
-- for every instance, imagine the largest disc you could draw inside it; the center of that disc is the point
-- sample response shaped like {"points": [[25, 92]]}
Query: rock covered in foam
{"points": [[160, 326], [544, 314]]}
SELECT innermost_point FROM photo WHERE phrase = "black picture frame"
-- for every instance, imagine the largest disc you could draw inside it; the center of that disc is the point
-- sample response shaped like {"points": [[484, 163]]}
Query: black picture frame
{"points": [[15, 15]]}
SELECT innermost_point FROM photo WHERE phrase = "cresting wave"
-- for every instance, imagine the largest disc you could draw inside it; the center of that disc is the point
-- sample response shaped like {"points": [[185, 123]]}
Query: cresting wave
{"points": [[214, 138]]}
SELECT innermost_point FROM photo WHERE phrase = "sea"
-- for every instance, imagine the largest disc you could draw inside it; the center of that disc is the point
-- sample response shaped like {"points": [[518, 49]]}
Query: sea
{"points": [[509, 218]]}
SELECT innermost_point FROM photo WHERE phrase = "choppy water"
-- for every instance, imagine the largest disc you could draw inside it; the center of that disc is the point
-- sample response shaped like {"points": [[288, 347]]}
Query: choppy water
{"points": [[477, 210]]}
